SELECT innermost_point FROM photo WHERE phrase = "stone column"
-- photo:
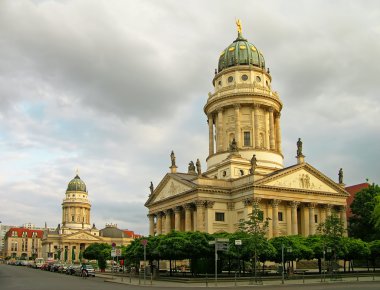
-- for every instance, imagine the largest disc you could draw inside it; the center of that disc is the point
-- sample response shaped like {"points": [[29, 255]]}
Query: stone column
{"points": [[200, 204], [210, 134], [151, 224], [323, 214], [256, 124], [343, 218], [187, 207], [247, 207], [275, 203], [208, 206], [271, 129], [177, 218], [278, 133], [253, 128], [270, 221], [159, 223], [168, 221], [294, 205], [237, 126], [219, 139], [288, 220], [267, 130], [328, 209], [305, 220], [311, 218]]}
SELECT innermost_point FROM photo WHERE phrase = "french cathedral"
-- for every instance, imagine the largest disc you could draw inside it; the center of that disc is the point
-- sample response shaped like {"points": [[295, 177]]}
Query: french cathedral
{"points": [[71, 237], [245, 164]]}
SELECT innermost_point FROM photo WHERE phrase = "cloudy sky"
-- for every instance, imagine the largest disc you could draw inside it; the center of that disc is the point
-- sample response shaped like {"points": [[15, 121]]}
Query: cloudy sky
{"points": [[111, 87]]}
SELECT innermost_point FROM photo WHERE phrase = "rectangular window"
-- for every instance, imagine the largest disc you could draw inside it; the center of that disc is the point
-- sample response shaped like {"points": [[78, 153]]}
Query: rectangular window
{"points": [[280, 216], [260, 215], [316, 218], [219, 216], [247, 138]]}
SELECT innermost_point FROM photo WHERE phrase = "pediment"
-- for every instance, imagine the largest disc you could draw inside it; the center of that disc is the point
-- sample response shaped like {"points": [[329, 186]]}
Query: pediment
{"points": [[171, 187], [303, 179], [82, 236]]}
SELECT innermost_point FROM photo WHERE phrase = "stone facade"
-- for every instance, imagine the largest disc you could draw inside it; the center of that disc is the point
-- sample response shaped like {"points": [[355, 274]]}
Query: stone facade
{"points": [[243, 116]]}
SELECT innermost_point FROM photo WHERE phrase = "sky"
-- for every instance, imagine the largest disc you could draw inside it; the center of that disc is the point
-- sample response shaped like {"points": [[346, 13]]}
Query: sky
{"points": [[110, 87]]}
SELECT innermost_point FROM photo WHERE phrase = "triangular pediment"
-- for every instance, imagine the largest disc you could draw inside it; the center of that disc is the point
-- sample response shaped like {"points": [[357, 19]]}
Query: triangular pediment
{"points": [[171, 185], [302, 177], [83, 236]]}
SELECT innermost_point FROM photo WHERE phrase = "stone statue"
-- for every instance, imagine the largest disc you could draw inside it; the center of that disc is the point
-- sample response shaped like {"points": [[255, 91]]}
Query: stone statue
{"points": [[233, 146], [253, 164], [299, 147], [151, 187], [198, 164], [191, 168], [340, 175], [172, 157]]}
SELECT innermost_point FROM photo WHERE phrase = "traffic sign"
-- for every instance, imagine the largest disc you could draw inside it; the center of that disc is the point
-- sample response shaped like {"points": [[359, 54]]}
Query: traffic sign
{"points": [[238, 243]]}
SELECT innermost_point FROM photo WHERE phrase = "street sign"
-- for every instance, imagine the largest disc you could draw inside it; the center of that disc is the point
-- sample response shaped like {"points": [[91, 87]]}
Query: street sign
{"points": [[222, 246], [211, 242], [113, 253], [238, 243], [144, 242], [118, 252], [222, 240]]}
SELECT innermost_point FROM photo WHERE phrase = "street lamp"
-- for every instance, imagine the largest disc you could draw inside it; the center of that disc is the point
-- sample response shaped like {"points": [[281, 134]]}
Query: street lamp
{"points": [[328, 250], [288, 250]]}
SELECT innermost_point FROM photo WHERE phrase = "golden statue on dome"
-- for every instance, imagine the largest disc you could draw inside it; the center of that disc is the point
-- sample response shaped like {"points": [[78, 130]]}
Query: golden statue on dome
{"points": [[238, 25]]}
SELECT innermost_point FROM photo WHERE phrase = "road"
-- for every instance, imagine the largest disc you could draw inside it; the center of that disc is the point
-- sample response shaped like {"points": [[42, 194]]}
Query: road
{"points": [[17, 277]]}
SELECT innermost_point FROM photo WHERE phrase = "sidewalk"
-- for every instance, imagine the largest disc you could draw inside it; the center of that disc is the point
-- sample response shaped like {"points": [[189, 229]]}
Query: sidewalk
{"points": [[223, 282]]}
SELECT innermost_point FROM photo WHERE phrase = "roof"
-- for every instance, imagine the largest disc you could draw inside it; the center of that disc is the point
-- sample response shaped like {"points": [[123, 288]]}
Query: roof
{"points": [[20, 232], [352, 190], [131, 234]]}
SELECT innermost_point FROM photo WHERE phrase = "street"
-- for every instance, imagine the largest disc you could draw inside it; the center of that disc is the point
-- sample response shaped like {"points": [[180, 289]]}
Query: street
{"points": [[17, 277]]}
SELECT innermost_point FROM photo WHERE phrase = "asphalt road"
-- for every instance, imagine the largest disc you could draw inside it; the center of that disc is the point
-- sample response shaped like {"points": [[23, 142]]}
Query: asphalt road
{"points": [[17, 277]]}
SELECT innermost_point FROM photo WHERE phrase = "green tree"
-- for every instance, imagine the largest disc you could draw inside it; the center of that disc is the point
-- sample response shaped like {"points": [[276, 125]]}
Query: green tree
{"points": [[374, 247], [315, 243], [256, 227], [353, 249], [363, 220], [332, 231], [100, 252]]}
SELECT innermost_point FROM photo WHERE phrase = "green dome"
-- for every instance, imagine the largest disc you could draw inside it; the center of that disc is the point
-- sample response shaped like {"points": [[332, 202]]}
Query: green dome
{"points": [[241, 52], [76, 184]]}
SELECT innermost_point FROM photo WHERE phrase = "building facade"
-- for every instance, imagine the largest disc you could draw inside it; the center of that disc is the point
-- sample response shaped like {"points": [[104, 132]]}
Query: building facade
{"points": [[245, 162], [23, 243], [68, 241]]}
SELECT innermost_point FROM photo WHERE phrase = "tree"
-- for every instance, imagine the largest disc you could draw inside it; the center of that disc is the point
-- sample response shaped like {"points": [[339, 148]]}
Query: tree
{"points": [[374, 247], [376, 211], [100, 252], [353, 249], [363, 219], [256, 228], [332, 231]]}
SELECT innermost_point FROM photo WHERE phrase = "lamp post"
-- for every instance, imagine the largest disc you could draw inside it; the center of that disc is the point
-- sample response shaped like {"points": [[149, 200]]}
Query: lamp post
{"points": [[289, 250], [328, 250], [238, 244]]}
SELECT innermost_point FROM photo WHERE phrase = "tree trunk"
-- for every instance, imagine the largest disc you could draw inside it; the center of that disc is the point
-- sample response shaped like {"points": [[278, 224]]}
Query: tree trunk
{"points": [[320, 265], [170, 267], [352, 265], [344, 266]]}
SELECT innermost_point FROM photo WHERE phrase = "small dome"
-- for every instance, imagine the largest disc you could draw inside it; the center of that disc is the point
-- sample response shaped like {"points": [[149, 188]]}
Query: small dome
{"points": [[76, 184], [240, 52]]}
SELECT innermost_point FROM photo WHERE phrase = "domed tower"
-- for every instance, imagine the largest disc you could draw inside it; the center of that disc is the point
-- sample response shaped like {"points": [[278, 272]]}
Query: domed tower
{"points": [[76, 207], [243, 114]]}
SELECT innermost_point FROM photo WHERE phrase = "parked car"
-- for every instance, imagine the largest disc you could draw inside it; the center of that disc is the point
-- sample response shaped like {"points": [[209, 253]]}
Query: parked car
{"points": [[72, 269], [90, 271], [62, 268]]}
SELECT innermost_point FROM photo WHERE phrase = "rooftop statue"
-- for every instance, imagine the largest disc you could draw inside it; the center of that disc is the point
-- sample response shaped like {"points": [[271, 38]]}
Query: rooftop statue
{"points": [[191, 168], [151, 187], [172, 157], [198, 164], [253, 164], [340, 175], [299, 147], [233, 146]]}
